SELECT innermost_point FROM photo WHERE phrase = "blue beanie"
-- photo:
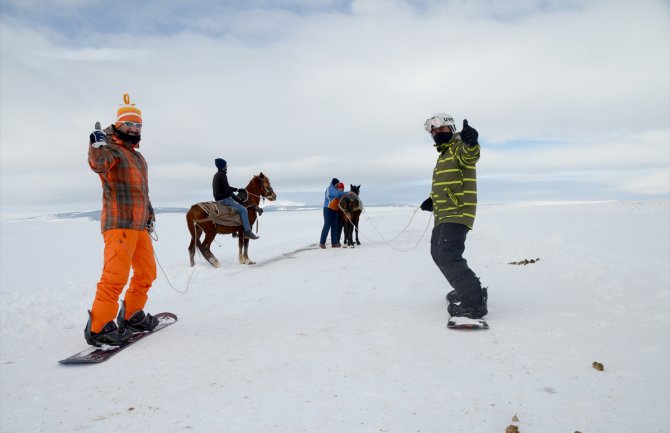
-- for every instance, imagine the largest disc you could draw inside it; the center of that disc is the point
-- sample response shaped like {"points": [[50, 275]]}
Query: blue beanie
{"points": [[220, 163], [335, 181]]}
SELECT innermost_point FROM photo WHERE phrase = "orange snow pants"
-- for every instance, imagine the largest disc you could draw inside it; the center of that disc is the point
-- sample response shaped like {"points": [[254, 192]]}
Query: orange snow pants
{"points": [[124, 248]]}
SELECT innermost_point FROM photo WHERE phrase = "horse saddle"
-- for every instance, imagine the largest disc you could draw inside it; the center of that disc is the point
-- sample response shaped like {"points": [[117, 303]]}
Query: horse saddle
{"points": [[350, 202], [221, 214]]}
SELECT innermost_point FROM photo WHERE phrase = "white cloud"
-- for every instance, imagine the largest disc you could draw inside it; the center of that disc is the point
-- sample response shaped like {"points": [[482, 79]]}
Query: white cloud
{"points": [[635, 152], [342, 91], [656, 181]]}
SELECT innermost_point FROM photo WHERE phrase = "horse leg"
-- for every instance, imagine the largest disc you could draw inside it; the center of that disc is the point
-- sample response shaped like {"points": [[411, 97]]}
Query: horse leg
{"points": [[356, 219], [240, 246], [340, 228], [195, 234], [347, 232], [346, 221], [345, 242], [246, 252], [199, 244], [243, 244], [204, 248]]}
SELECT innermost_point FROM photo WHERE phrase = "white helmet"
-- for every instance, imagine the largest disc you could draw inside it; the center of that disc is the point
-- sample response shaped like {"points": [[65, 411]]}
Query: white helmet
{"points": [[438, 120]]}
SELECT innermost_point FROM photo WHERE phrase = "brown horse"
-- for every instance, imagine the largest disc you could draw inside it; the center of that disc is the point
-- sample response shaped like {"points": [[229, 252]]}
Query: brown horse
{"points": [[350, 212], [198, 222]]}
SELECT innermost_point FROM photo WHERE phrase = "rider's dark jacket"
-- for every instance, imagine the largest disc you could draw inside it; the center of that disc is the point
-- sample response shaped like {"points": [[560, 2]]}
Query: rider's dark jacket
{"points": [[221, 187]]}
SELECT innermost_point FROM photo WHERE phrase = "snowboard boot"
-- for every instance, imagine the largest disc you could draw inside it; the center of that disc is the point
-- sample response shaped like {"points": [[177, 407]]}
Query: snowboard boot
{"points": [[459, 310], [110, 334], [250, 235], [452, 297], [141, 322], [138, 322]]}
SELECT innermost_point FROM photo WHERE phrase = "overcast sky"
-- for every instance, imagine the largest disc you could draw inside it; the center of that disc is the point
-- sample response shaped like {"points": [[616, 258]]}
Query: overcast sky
{"points": [[571, 98]]}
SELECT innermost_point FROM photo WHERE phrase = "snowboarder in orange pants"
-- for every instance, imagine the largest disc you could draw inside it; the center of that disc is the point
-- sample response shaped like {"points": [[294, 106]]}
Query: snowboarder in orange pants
{"points": [[127, 219]]}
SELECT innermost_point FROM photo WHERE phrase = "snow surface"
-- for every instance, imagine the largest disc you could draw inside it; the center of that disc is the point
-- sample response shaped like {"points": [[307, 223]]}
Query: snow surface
{"points": [[353, 340]]}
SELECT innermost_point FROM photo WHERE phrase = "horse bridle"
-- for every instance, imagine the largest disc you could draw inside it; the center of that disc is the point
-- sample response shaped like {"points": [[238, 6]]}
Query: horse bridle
{"points": [[267, 189]]}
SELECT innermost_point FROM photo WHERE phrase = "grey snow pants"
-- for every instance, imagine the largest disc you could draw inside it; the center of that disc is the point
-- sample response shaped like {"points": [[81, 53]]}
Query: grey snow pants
{"points": [[447, 244]]}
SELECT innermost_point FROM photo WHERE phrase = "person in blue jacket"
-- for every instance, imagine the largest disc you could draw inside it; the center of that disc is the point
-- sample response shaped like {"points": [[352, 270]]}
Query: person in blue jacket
{"points": [[330, 217]]}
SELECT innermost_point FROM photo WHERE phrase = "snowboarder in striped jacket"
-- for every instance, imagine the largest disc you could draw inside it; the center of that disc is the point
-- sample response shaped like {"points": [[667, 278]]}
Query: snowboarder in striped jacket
{"points": [[453, 201]]}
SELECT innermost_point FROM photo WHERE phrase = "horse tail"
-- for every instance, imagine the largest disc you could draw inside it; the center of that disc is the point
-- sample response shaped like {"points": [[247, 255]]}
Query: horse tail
{"points": [[189, 218], [191, 223]]}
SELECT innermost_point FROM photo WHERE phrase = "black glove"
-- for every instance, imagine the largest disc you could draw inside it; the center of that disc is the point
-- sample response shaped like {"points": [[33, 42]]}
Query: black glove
{"points": [[151, 225], [469, 135], [427, 205], [259, 210], [98, 137]]}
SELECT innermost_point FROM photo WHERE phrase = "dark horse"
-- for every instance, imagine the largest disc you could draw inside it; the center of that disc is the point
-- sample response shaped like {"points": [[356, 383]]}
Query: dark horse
{"points": [[198, 222], [350, 211]]}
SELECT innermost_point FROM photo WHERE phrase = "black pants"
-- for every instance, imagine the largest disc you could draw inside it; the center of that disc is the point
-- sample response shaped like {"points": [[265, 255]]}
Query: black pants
{"points": [[447, 244]]}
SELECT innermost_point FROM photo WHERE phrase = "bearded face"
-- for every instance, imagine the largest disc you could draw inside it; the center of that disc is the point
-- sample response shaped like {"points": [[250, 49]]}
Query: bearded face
{"points": [[129, 132]]}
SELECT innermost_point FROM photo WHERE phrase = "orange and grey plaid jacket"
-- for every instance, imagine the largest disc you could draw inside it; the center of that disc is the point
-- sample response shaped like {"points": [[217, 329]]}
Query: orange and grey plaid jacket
{"points": [[125, 184]]}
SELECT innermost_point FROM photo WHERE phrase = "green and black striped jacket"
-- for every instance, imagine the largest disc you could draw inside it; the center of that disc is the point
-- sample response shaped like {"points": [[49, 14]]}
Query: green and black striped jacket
{"points": [[454, 190]]}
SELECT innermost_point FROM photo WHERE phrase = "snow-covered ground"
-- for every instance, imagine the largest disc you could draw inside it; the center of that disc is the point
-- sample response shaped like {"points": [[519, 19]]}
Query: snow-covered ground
{"points": [[353, 340]]}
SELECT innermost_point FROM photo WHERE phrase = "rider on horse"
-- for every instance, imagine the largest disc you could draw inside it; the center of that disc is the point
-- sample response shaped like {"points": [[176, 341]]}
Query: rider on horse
{"points": [[223, 193]]}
